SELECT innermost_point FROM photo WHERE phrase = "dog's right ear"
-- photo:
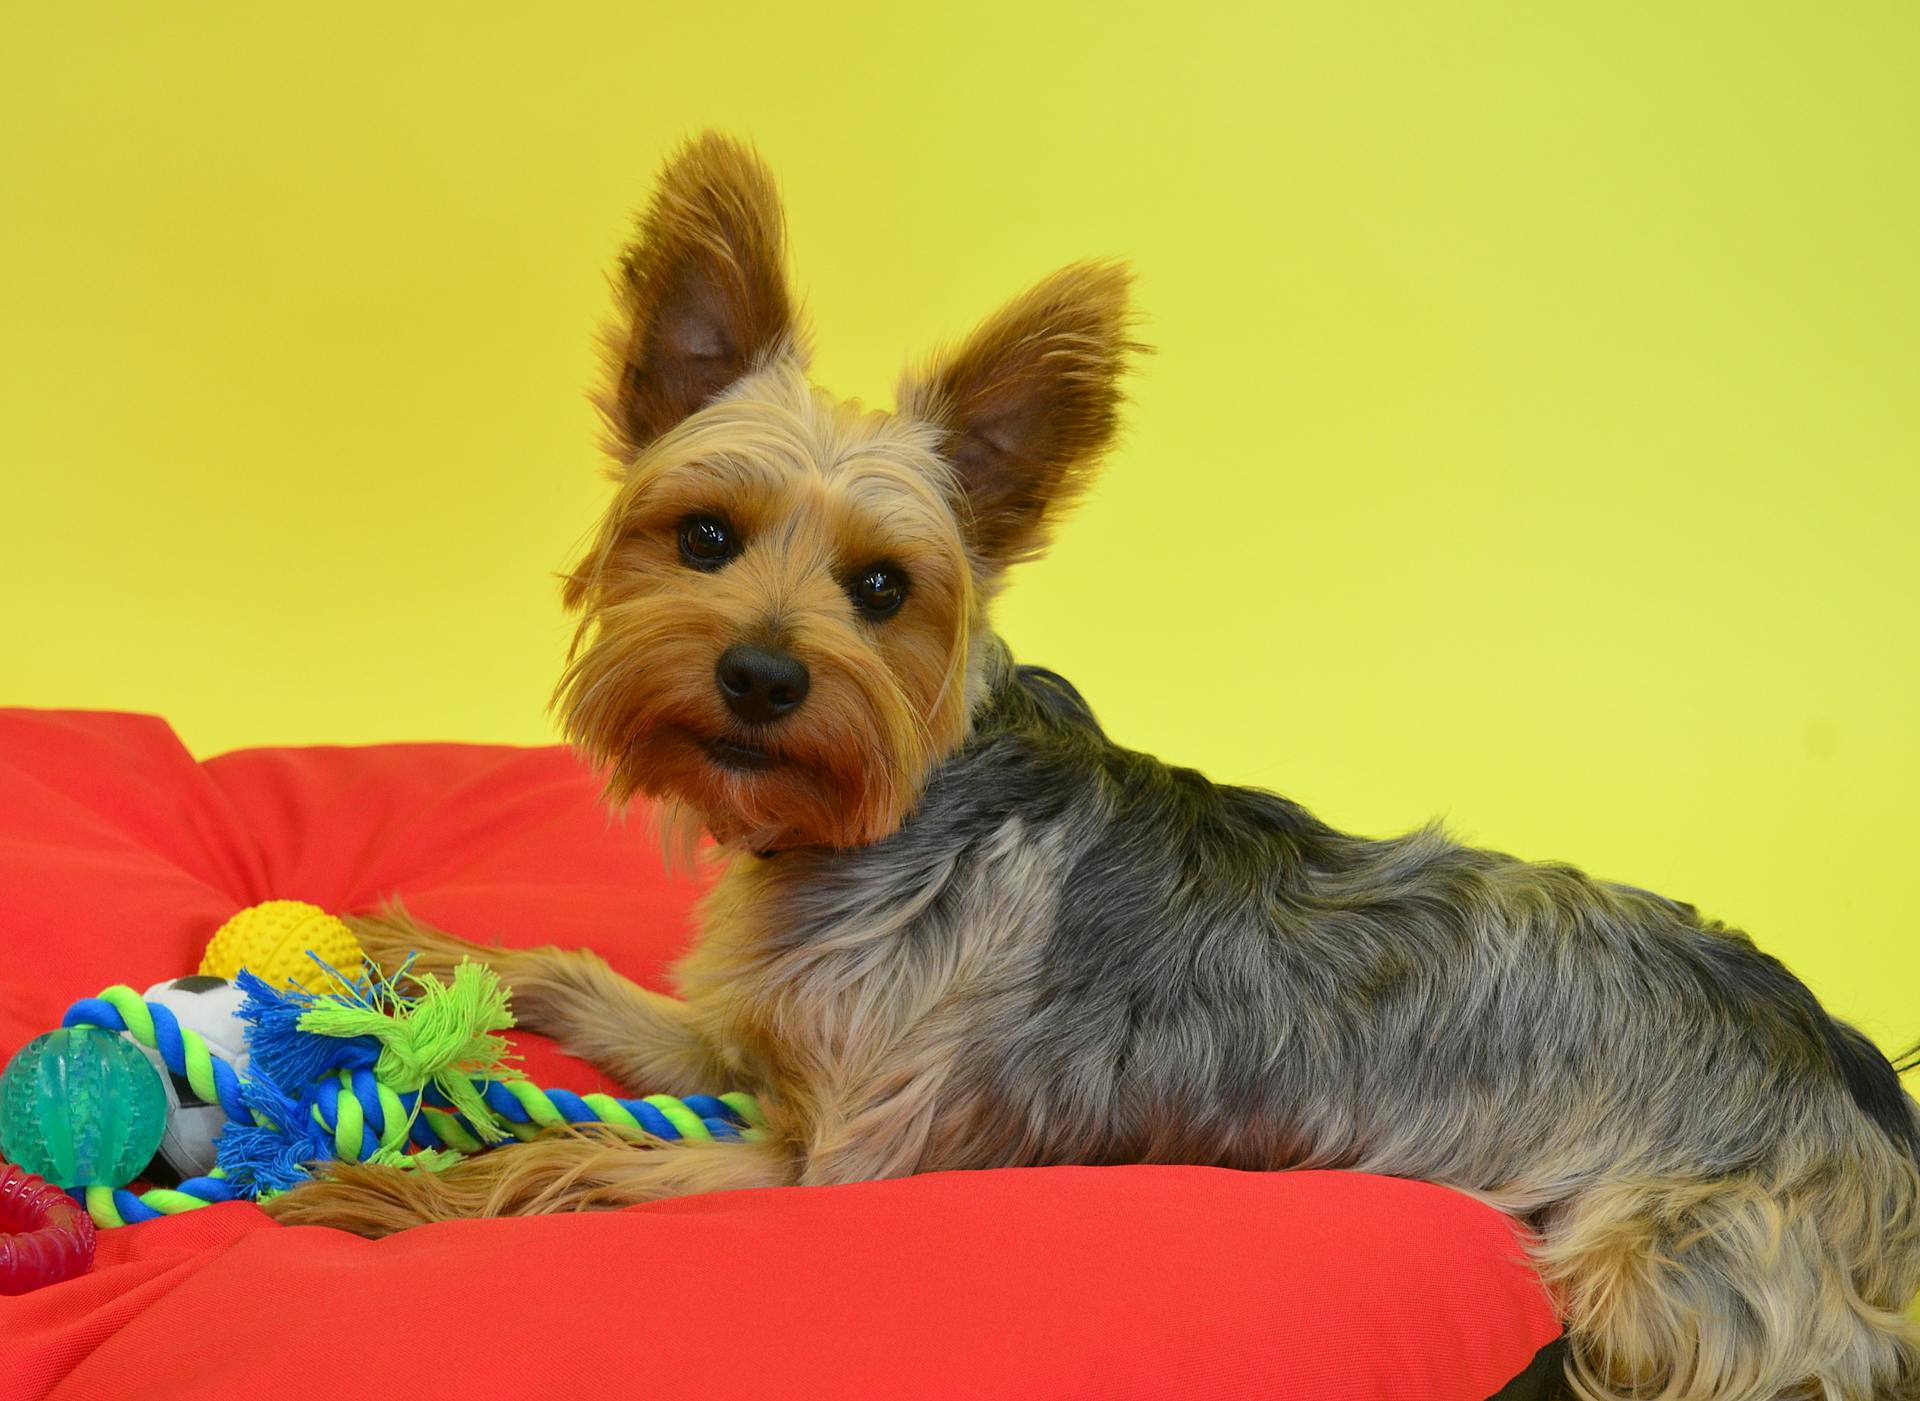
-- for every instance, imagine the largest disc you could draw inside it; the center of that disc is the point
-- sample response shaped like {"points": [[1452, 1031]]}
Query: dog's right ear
{"points": [[702, 293]]}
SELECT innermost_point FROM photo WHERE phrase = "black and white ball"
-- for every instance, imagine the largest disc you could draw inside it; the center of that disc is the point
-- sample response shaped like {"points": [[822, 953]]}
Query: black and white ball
{"points": [[210, 1006]]}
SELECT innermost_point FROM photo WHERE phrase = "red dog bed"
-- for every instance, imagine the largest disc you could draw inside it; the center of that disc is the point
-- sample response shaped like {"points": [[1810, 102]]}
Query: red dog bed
{"points": [[119, 856]]}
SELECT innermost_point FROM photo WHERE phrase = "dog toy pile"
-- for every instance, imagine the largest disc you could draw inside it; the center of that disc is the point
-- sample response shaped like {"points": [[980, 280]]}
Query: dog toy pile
{"points": [[241, 1087]]}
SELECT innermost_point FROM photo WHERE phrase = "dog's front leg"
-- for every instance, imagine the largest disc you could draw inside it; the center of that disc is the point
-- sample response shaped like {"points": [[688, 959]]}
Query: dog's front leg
{"points": [[645, 1041], [569, 1171]]}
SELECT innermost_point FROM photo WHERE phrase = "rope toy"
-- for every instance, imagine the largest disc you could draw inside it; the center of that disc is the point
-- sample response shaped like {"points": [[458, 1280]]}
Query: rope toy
{"points": [[366, 1074]]}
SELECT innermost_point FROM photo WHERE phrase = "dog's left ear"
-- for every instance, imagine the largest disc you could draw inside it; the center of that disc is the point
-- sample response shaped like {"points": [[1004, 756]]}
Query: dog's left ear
{"points": [[1027, 405]]}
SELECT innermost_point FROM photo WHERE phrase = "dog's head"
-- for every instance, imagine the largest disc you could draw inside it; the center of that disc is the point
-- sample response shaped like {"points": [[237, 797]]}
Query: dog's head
{"points": [[782, 612]]}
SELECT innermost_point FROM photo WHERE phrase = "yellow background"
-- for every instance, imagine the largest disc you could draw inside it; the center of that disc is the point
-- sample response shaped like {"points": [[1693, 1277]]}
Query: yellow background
{"points": [[1532, 440]]}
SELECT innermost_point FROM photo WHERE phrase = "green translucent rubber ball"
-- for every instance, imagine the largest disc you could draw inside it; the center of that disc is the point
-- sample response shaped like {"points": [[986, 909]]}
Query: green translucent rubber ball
{"points": [[81, 1107]]}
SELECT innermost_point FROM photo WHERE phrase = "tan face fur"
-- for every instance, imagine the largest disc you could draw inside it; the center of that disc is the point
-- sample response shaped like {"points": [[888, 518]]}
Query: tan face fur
{"points": [[710, 416]]}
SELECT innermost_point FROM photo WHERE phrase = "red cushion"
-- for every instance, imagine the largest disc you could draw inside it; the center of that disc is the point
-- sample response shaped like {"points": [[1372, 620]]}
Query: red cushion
{"points": [[119, 856]]}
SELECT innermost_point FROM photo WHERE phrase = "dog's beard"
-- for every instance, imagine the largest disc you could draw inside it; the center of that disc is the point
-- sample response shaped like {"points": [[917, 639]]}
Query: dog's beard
{"points": [[787, 802], [640, 703]]}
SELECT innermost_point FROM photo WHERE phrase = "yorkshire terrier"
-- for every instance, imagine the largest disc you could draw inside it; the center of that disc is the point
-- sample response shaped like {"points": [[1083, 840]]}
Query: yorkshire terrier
{"points": [[958, 927]]}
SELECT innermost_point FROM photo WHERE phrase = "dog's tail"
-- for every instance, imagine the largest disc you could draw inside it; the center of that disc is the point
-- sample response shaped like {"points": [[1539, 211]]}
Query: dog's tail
{"points": [[1744, 1288]]}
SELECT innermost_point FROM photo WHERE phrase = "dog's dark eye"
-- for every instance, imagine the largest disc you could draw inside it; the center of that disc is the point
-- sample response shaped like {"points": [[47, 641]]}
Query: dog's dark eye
{"points": [[879, 590], [707, 542]]}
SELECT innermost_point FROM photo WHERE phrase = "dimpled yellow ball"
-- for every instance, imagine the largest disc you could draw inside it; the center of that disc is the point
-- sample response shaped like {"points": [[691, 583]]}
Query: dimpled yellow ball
{"points": [[272, 941]]}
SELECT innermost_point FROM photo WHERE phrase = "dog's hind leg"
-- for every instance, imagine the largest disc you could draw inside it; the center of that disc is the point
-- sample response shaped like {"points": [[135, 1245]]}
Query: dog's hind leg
{"points": [[561, 1172], [1739, 1289], [643, 1040]]}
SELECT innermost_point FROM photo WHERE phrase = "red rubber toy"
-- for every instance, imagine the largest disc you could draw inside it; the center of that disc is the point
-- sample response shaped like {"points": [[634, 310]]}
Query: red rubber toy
{"points": [[45, 1236]]}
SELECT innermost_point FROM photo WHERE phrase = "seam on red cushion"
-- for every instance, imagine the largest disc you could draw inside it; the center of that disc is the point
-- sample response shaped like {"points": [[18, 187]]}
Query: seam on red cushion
{"points": [[383, 855], [218, 851]]}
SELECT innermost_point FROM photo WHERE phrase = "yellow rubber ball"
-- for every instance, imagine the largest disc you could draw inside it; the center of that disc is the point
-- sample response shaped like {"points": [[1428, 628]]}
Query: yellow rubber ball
{"points": [[272, 941]]}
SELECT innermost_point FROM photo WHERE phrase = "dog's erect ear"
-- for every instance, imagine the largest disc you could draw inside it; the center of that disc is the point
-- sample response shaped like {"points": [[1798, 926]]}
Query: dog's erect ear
{"points": [[1027, 405], [702, 292]]}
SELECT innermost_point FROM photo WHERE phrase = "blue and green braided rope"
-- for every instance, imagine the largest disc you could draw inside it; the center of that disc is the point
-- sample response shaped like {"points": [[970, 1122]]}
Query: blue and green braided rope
{"points": [[528, 1111], [117, 1206], [186, 1055], [365, 1117], [119, 1008]]}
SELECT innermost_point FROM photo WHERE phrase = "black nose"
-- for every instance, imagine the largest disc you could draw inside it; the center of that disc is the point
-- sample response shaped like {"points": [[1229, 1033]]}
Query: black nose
{"points": [[761, 684]]}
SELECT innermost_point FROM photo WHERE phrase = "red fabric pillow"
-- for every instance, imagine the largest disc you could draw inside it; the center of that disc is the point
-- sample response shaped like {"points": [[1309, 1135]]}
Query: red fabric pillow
{"points": [[119, 856]]}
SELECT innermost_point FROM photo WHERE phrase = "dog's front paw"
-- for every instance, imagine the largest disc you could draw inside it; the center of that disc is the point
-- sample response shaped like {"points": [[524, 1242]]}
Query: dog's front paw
{"points": [[392, 937]]}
